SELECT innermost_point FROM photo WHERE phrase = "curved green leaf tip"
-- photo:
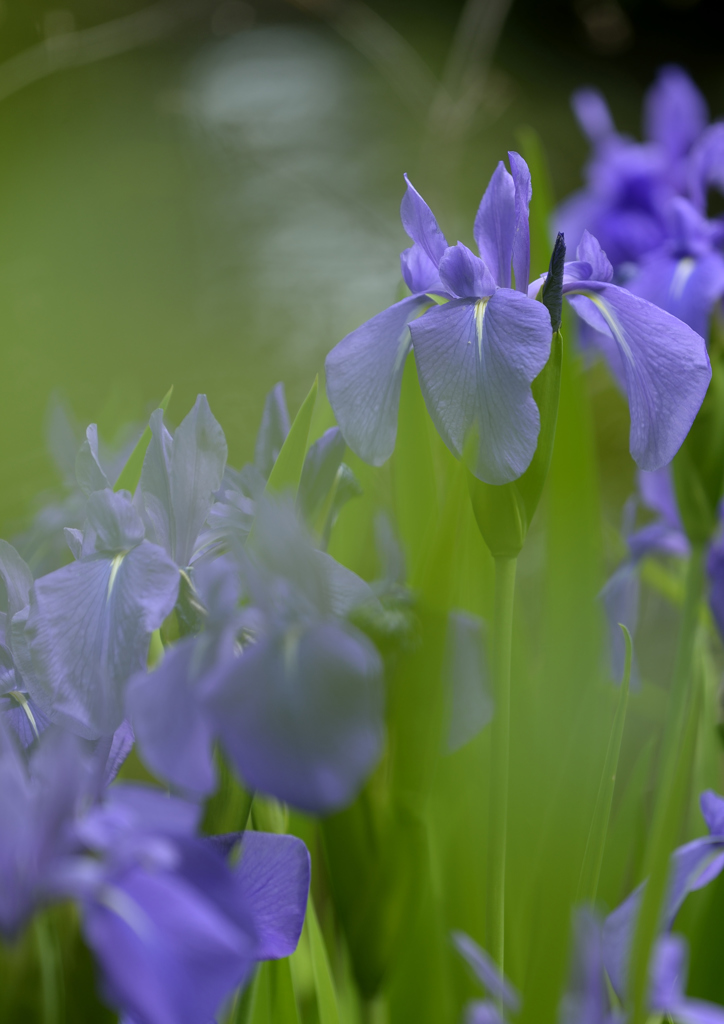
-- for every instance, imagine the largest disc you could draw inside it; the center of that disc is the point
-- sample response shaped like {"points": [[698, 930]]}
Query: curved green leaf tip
{"points": [[287, 470], [131, 473]]}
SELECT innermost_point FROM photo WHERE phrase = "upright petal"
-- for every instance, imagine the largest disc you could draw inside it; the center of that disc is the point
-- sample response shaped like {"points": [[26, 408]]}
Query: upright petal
{"points": [[16, 578], [464, 274], [88, 470], [706, 166], [586, 998], [89, 629], [620, 598], [273, 430], [476, 361], [593, 115], [301, 715], [589, 251], [494, 227], [197, 466], [665, 365], [521, 238], [364, 375], [675, 112], [419, 222], [712, 810], [466, 675], [420, 274], [319, 472], [486, 971]]}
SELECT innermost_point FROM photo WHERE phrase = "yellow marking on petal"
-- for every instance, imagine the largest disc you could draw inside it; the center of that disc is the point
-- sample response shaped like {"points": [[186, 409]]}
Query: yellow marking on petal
{"points": [[610, 319], [115, 566], [22, 701]]}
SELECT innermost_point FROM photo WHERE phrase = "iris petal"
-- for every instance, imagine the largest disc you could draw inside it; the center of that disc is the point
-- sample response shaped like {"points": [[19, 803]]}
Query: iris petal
{"points": [[494, 227]]}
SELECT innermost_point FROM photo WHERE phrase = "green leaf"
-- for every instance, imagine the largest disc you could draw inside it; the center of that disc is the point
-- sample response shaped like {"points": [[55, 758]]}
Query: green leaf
{"points": [[131, 473], [283, 998], [287, 470], [593, 856], [323, 982]]}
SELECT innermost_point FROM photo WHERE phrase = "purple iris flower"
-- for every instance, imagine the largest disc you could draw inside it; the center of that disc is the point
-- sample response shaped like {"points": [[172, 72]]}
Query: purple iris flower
{"points": [[647, 202], [692, 867], [175, 928], [292, 691], [628, 183], [88, 625], [476, 354], [661, 363], [667, 992]]}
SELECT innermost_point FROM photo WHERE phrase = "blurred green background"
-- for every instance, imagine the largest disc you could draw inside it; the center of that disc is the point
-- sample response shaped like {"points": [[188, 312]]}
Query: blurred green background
{"points": [[205, 193]]}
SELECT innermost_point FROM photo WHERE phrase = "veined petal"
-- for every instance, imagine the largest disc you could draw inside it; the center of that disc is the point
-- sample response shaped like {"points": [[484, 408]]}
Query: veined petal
{"points": [[88, 630], [521, 238], [364, 375], [688, 288], [675, 112], [300, 714], [494, 226], [476, 361], [665, 366], [273, 882], [464, 274], [589, 251], [419, 272], [419, 222]]}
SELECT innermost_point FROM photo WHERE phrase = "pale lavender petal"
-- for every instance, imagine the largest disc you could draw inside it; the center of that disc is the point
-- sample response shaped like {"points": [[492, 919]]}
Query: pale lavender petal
{"points": [[593, 115], [89, 629], [586, 998], [675, 112], [482, 1011], [706, 165], [113, 525], [364, 376], [486, 971], [88, 470], [272, 431], [688, 288], [155, 485], [198, 458], [494, 227], [17, 579], [319, 472], [466, 676], [419, 222], [665, 365], [521, 239], [173, 732], [712, 809], [589, 251], [419, 272], [476, 362], [300, 715], [657, 493], [273, 883], [464, 274]]}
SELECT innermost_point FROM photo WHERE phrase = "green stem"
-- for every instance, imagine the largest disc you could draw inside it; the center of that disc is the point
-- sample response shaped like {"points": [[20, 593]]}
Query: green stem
{"points": [[500, 743], [671, 792]]}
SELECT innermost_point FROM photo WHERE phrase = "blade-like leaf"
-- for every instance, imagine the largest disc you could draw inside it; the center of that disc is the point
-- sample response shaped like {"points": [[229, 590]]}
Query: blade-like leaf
{"points": [[287, 470], [323, 982]]}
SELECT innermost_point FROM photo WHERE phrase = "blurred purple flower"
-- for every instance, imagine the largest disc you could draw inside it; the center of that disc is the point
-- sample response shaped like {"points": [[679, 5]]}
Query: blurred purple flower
{"points": [[667, 993], [477, 354], [501, 993]]}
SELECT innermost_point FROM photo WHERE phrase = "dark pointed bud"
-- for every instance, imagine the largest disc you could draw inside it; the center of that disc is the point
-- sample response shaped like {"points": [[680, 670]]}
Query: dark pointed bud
{"points": [[552, 292]]}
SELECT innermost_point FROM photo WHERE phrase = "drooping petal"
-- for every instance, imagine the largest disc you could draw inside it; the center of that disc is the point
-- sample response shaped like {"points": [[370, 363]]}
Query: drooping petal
{"points": [[364, 376], [665, 365], [675, 112], [419, 222], [301, 715], [88, 630], [495, 223], [486, 971], [173, 732], [691, 867], [273, 430], [688, 288], [476, 362], [521, 238], [273, 882], [167, 953], [464, 274]]}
